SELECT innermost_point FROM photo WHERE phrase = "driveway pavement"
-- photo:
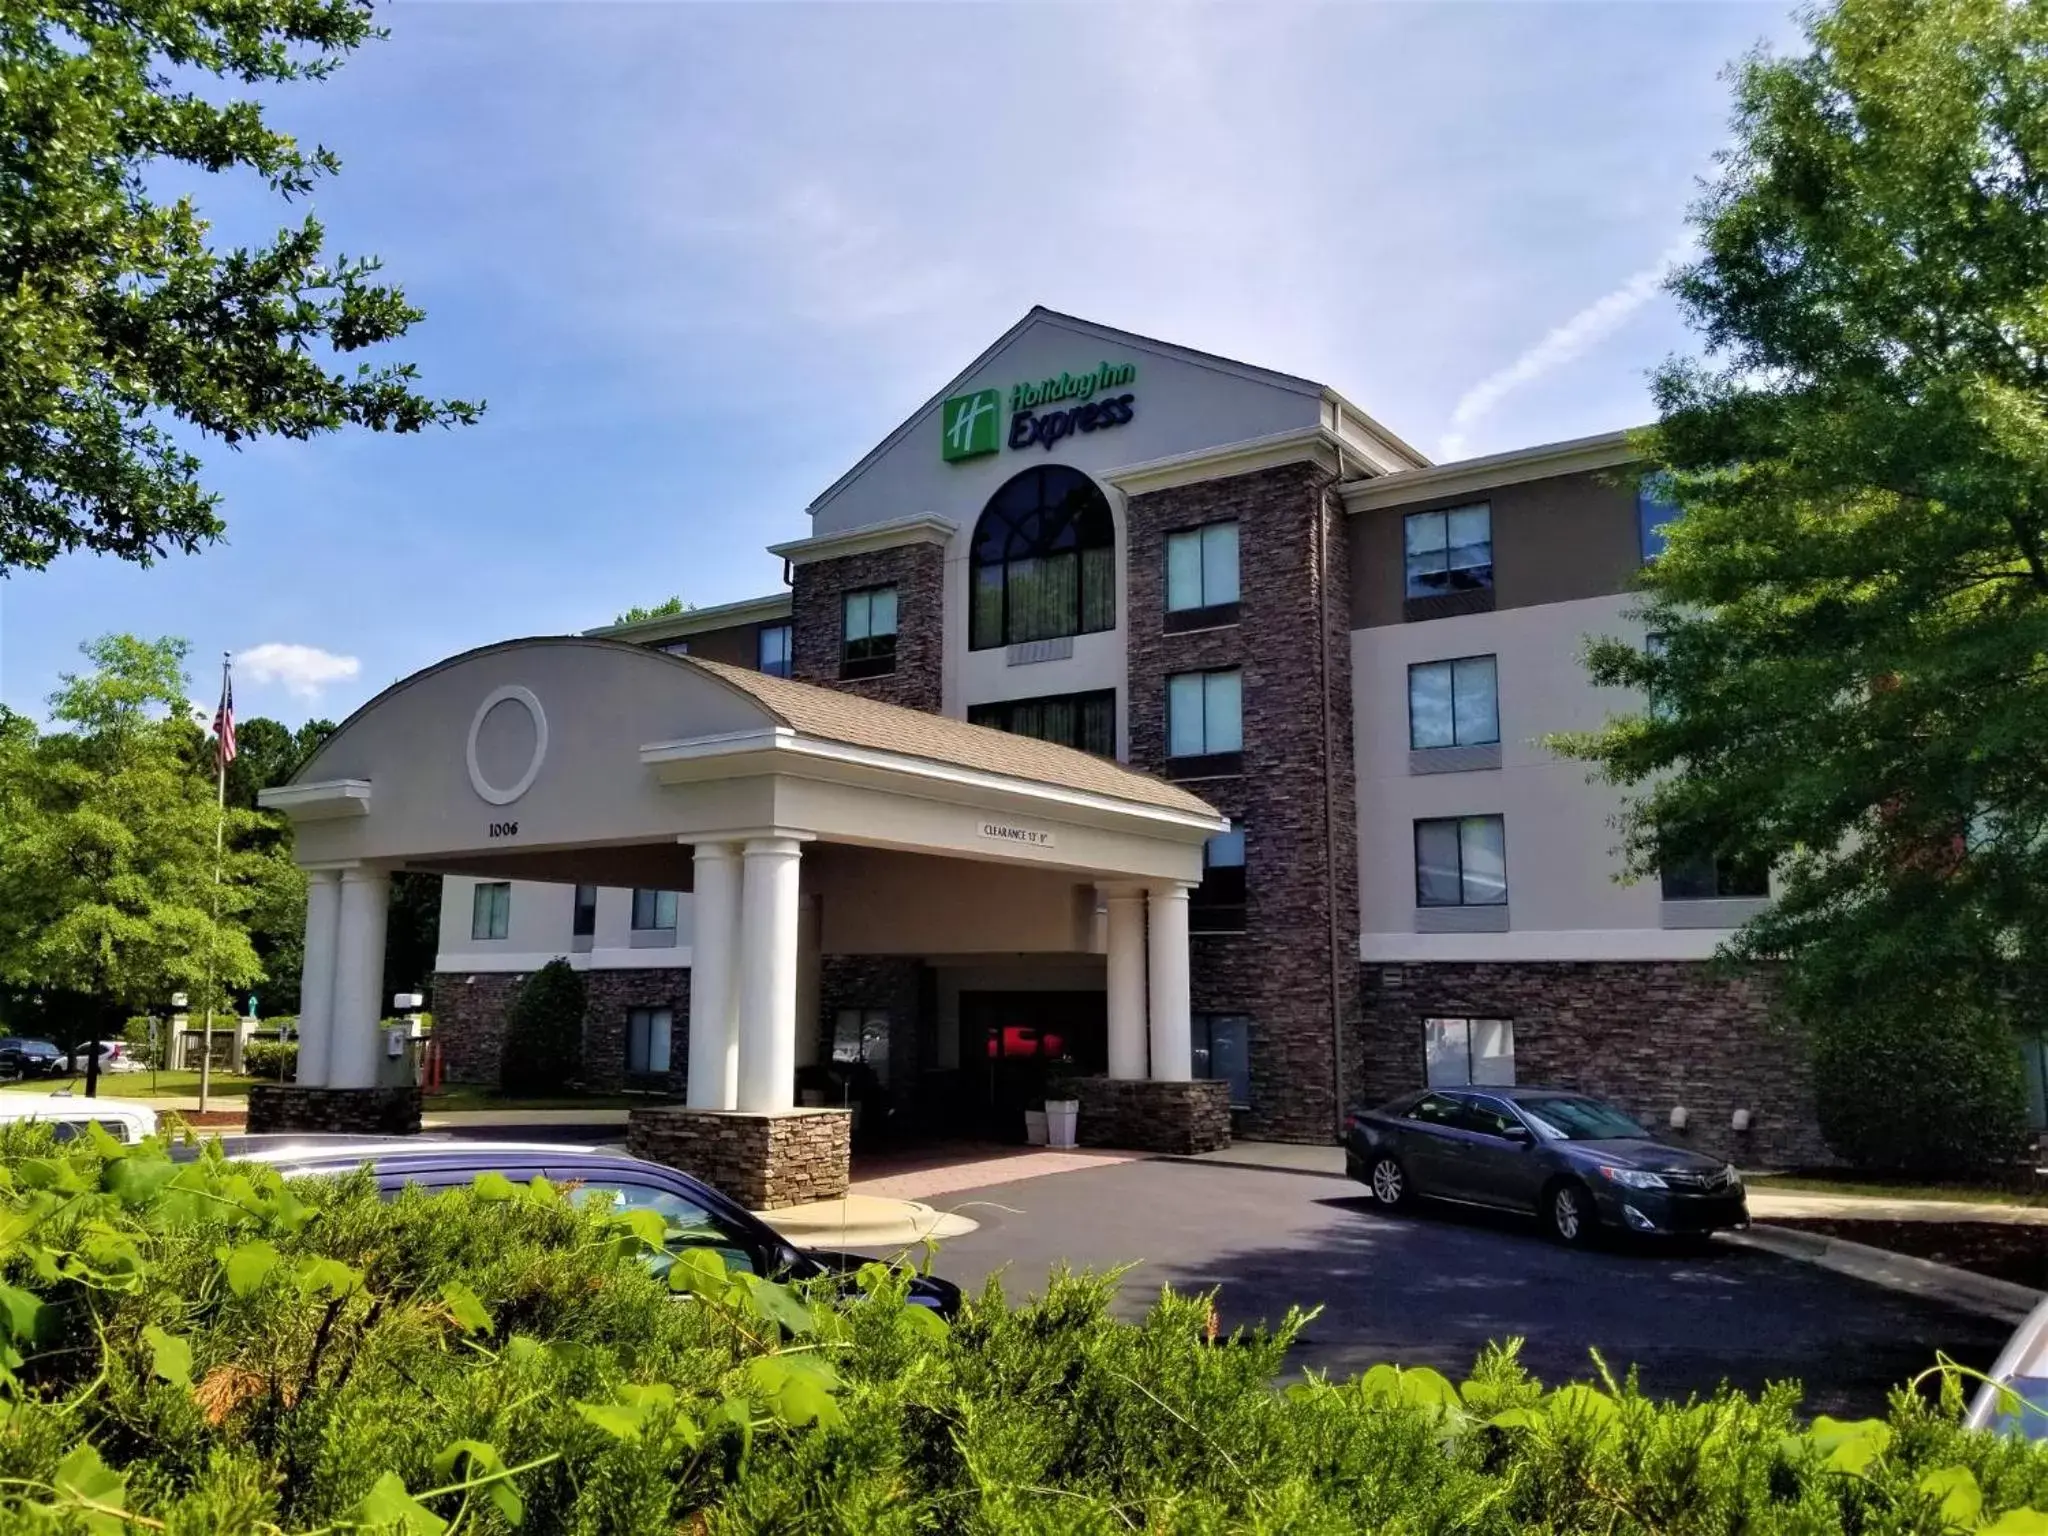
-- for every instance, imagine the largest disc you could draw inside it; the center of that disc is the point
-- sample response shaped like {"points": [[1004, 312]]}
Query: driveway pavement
{"points": [[1433, 1288]]}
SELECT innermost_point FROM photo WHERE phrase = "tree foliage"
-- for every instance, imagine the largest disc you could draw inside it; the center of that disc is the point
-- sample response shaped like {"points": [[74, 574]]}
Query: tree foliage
{"points": [[544, 1031], [1852, 678], [666, 609], [124, 334]]}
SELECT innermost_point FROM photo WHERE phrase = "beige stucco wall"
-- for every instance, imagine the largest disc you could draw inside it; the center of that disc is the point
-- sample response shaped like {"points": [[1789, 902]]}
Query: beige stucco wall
{"points": [[1563, 898]]}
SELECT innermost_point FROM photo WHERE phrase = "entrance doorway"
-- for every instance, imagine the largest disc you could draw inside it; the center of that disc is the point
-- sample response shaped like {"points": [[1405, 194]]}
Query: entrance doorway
{"points": [[1019, 1040]]}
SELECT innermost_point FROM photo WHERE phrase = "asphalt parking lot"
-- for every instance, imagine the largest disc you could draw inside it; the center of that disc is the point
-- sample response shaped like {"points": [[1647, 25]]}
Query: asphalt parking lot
{"points": [[1433, 1288]]}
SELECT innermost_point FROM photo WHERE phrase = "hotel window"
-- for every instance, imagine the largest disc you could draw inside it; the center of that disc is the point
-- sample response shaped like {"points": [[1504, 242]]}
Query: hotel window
{"points": [[1449, 551], [1453, 703], [1461, 861], [1083, 720], [1655, 511], [654, 911], [1706, 878], [648, 1035], [1217, 904], [1205, 721], [1222, 1052], [862, 1035], [490, 910], [1044, 561], [584, 924], [1459, 1053], [870, 631], [773, 649], [1201, 577]]}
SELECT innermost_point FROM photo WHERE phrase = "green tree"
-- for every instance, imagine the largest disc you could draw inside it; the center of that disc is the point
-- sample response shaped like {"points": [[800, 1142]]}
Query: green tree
{"points": [[124, 334], [667, 609], [1852, 677], [544, 1032], [107, 841]]}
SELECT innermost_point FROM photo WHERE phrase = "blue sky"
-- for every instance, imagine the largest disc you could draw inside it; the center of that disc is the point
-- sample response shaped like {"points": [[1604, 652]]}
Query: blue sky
{"points": [[700, 258]]}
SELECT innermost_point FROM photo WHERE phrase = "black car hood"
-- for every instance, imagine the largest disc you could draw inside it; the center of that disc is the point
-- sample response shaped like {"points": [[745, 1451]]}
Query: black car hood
{"points": [[942, 1296], [1641, 1152]]}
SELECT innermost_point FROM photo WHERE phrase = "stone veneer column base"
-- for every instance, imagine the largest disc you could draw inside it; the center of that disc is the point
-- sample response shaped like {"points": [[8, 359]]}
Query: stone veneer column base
{"points": [[762, 1161], [365, 1111], [1176, 1118]]}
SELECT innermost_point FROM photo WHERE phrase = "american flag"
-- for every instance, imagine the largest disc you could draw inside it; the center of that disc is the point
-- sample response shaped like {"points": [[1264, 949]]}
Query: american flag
{"points": [[224, 719]]}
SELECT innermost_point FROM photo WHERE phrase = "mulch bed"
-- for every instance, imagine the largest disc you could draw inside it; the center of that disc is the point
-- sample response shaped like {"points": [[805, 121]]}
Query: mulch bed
{"points": [[2013, 1251]]}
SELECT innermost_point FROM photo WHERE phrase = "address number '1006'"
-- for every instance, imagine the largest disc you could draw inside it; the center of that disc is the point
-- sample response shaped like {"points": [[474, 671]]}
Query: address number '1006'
{"points": [[504, 829]]}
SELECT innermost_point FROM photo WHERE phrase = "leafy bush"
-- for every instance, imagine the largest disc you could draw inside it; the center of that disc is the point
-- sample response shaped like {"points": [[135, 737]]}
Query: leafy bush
{"points": [[544, 1032], [209, 1348], [271, 1061], [1900, 1091]]}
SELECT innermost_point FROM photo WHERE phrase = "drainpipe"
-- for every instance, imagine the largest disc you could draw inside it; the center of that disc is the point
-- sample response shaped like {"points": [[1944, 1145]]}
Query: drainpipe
{"points": [[1330, 850]]}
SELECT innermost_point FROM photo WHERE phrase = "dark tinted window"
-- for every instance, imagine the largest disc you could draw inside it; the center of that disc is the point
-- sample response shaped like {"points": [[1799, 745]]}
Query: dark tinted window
{"points": [[1085, 721], [1437, 1109], [1492, 1117], [1044, 562], [1578, 1119]]}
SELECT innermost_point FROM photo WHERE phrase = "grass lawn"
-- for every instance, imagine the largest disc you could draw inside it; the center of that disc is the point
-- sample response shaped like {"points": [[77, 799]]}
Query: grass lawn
{"points": [[185, 1085], [1971, 1194]]}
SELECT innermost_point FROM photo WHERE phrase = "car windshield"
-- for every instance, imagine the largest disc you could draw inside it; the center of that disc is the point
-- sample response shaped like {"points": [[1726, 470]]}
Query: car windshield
{"points": [[689, 1225], [2022, 1408], [1569, 1118]]}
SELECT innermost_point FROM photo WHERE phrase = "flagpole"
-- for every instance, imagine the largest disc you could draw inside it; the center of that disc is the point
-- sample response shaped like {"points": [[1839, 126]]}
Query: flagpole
{"points": [[220, 828]]}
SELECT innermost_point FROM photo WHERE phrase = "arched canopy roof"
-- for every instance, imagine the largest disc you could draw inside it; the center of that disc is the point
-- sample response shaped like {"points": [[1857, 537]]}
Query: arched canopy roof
{"points": [[535, 746]]}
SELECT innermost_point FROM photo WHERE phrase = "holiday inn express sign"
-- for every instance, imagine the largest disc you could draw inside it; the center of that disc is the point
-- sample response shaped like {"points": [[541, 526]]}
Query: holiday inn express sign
{"points": [[973, 424]]}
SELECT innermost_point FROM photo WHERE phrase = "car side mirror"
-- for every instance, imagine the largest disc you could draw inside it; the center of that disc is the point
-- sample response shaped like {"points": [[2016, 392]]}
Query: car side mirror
{"points": [[1519, 1134]]}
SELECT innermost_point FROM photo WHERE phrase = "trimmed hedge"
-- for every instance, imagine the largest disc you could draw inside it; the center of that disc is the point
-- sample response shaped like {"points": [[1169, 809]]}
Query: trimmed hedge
{"points": [[205, 1347], [266, 1059], [1898, 1090], [544, 1032]]}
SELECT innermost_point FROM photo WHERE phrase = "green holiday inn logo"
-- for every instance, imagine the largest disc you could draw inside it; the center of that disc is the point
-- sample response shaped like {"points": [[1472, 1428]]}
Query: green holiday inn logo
{"points": [[971, 425]]}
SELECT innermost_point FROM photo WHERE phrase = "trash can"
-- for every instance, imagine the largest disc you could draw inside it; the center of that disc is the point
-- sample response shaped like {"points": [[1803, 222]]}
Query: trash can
{"points": [[1034, 1127], [1061, 1116]]}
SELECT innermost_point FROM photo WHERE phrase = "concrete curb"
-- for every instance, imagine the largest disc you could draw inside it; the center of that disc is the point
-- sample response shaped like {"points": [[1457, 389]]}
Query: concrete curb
{"points": [[1209, 1160], [2002, 1299]]}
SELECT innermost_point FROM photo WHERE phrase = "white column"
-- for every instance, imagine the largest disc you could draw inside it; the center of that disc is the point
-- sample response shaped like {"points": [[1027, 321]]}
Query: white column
{"points": [[358, 979], [809, 979], [1127, 985], [316, 975], [714, 1079], [768, 923], [1172, 1030]]}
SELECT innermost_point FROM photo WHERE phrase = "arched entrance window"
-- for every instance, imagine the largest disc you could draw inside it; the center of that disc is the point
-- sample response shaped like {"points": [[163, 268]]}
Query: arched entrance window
{"points": [[1044, 562]]}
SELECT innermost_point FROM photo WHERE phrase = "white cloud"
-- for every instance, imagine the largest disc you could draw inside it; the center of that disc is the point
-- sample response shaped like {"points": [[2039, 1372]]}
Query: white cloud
{"points": [[303, 669], [1562, 344]]}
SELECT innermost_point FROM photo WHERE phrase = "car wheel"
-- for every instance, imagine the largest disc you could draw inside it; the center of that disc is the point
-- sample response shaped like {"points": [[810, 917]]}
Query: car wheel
{"points": [[1389, 1181], [1568, 1213]]}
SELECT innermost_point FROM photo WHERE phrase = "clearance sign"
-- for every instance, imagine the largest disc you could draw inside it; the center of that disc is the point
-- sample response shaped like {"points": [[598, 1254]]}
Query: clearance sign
{"points": [[973, 424]]}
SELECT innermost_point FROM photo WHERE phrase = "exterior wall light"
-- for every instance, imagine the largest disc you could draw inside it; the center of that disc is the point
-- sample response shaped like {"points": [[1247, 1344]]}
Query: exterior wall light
{"points": [[1739, 1120], [1679, 1117]]}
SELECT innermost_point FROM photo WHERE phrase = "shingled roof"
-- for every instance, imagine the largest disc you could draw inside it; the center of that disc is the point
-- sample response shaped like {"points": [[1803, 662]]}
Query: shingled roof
{"points": [[854, 721]]}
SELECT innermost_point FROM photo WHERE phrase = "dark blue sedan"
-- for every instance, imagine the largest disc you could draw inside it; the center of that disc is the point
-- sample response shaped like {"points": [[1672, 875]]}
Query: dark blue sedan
{"points": [[697, 1215]]}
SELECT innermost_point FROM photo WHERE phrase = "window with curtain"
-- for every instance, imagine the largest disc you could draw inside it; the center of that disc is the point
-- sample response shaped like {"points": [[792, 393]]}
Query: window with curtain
{"points": [[1449, 551], [654, 910], [773, 649], [1083, 720], [648, 1033], [490, 911], [584, 923], [1201, 573], [1044, 560], [1707, 878], [1458, 1053], [1461, 861], [1217, 904], [869, 645], [1453, 703], [1204, 713]]}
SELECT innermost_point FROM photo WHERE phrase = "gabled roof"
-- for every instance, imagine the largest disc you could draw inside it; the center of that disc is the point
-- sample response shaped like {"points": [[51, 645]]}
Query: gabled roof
{"points": [[853, 721], [1113, 336]]}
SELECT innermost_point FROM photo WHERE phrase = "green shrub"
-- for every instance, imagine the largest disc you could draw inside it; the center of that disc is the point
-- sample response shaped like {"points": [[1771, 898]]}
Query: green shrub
{"points": [[271, 1061], [135, 1035], [1909, 1091], [208, 1349], [544, 1032]]}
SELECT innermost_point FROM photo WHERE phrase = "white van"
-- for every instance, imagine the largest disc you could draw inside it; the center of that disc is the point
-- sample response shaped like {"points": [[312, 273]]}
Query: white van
{"points": [[123, 1119]]}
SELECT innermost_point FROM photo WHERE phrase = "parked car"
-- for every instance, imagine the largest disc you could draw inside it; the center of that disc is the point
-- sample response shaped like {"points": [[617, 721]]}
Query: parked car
{"points": [[1576, 1163], [2015, 1400], [29, 1058], [115, 1056], [698, 1216], [69, 1114]]}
